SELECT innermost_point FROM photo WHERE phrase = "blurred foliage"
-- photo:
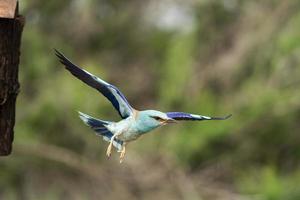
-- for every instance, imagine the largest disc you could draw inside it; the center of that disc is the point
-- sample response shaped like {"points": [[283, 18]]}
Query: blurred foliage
{"points": [[207, 57]]}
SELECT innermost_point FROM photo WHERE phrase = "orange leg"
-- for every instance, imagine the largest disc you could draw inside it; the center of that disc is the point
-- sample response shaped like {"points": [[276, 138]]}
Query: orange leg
{"points": [[122, 153]]}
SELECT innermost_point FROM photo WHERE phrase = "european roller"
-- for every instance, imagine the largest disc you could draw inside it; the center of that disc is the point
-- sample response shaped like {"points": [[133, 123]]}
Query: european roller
{"points": [[134, 123]]}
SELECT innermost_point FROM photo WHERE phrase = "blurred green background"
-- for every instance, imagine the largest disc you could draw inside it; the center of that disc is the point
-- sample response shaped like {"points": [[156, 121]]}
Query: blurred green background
{"points": [[200, 56]]}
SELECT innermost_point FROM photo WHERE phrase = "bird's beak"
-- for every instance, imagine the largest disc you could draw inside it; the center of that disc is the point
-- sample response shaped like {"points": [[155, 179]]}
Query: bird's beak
{"points": [[169, 121]]}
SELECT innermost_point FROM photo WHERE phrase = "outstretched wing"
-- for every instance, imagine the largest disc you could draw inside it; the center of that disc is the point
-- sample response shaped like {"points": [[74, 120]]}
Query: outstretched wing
{"points": [[193, 117], [111, 92]]}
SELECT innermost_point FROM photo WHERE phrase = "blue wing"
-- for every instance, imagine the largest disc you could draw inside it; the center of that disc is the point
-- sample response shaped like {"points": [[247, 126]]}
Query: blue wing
{"points": [[111, 92], [193, 117]]}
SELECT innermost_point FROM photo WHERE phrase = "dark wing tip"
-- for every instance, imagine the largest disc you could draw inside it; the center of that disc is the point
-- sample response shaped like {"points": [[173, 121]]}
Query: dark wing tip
{"points": [[59, 55], [63, 59], [228, 116], [221, 118]]}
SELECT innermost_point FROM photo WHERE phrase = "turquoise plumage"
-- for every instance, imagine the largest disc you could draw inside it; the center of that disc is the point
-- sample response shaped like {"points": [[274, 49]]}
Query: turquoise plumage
{"points": [[134, 123]]}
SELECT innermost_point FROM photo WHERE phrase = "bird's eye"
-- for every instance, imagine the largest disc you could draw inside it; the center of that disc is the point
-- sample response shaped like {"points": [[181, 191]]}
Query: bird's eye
{"points": [[157, 118]]}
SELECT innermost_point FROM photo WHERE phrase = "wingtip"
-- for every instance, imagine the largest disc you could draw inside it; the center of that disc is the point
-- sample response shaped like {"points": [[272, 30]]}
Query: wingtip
{"points": [[56, 52], [60, 55], [228, 116], [80, 113], [62, 58], [221, 118]]}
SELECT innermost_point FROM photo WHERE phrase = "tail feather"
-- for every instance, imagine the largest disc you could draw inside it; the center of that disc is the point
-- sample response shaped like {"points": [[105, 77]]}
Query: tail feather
{"points": [[99, 126], [92, 122]]}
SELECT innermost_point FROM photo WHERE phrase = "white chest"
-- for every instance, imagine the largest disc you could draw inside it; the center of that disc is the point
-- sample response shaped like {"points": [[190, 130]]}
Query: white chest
{"points": [[124, 130], [129, 136]]}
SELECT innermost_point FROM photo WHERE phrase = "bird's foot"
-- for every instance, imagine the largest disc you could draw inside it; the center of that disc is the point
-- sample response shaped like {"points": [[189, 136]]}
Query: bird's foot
{"points": [[122, 154], [108, 151]]}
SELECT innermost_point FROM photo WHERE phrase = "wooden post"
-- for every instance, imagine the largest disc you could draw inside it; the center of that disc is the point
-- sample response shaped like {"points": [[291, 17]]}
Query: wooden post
{"points": [[11, 26]]}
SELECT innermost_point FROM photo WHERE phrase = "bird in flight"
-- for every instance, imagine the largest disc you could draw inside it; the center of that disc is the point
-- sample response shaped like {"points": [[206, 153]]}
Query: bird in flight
{"points": [[134, 123]]}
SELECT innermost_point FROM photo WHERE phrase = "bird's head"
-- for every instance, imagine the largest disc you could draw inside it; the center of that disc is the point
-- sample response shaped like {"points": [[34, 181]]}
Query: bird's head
{"points": [[153, 118]]}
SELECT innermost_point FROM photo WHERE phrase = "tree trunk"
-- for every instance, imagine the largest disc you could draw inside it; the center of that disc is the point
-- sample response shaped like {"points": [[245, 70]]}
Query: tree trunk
{"points": [[10, 38]]}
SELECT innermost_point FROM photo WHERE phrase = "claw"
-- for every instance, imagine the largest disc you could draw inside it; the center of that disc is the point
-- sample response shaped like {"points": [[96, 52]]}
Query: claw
{"points": [[122, 154], [109, 148], [108, 151]]}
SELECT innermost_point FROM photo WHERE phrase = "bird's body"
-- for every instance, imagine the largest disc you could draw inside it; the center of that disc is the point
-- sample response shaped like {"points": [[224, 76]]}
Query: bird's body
{"points": [[130, 128], [134, 123], [126, 129]]}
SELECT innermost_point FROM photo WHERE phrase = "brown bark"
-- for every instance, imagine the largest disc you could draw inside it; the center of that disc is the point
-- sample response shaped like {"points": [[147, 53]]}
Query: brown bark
{"points": [[10, 38]]}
